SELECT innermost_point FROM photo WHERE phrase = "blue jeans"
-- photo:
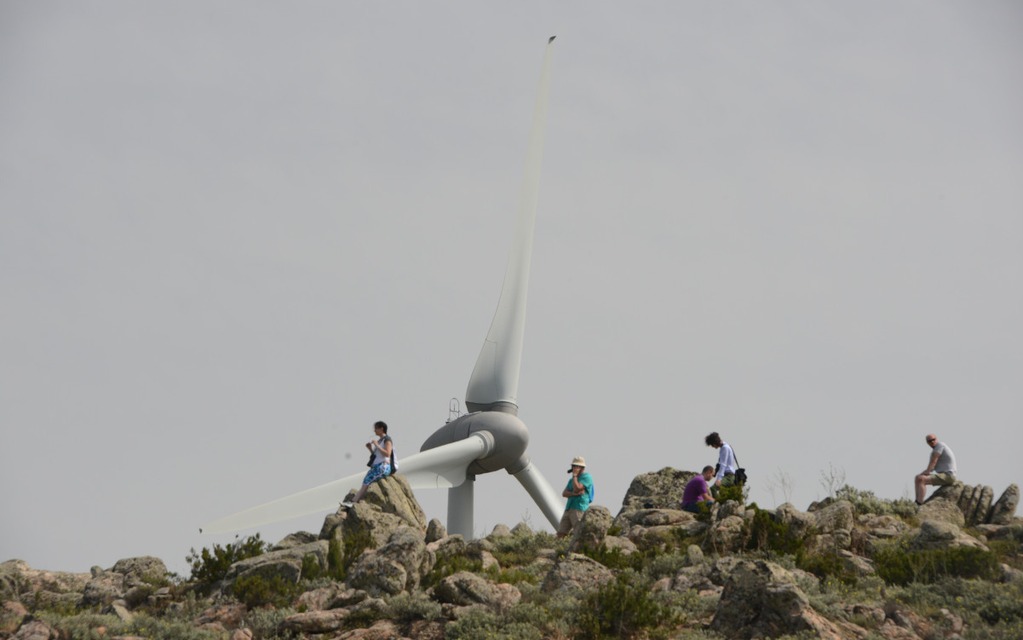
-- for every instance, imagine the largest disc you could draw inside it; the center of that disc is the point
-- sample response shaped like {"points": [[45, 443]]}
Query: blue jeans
{"points": [[694, 507]]}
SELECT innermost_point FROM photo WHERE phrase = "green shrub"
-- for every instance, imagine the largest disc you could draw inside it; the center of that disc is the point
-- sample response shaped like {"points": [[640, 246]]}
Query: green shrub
{"points": [[826, 565], [265, 624], [614, 559], [663, 565], [735, 492], [474, 624], [447, 565], [408, 607], [520, 550], [866, 502], [335, 560], [766, 534], [255, 590], [515, 575], [898, 564], [311, 569], [988, 610], [90, 626], [210, 567], [1007, 551], [622, 608], [354, 543]]}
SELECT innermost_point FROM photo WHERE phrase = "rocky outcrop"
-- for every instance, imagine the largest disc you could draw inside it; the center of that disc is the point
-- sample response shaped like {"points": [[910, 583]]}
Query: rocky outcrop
{"points": [[576, 572], [592, 530], [976, 504], [657, 490], [395, 567], [761, 600], [934, 534], [285, 563], [700, 564], [389, 504], [466, 589], [20, 582], [1004, 509]]}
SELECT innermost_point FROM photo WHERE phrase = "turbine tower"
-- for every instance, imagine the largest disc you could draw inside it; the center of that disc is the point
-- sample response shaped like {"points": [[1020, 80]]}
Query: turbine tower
{"points": [[491, 437]]}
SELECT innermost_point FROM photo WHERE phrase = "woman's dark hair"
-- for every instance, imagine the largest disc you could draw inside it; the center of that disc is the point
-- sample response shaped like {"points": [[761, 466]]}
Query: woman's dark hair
{"points": [[381, 424], [713, 439], [707, 468]]}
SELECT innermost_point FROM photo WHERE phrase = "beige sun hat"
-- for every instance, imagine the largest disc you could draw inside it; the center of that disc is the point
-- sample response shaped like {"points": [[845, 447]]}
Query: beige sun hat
{"points": [[578, 461]]}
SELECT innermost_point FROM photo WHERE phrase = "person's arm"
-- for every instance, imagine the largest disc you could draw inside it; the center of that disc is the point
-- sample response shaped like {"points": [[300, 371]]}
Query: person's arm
{"points": [[933, 463], [576, 488], [386, 449]]}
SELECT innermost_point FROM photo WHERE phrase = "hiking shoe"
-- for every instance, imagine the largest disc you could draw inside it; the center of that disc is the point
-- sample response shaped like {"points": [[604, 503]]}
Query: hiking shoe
{"points": [[347, 505]]}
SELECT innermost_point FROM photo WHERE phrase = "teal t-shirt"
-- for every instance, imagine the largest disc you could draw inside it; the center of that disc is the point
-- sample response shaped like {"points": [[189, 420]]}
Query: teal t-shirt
{"points": [[580, 503]]}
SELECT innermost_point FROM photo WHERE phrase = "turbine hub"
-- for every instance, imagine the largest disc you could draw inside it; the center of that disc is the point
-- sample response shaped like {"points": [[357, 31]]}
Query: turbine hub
{"points": [[509, 433]]}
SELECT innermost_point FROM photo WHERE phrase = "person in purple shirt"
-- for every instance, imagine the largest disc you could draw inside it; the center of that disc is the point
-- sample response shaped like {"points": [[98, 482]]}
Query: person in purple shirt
{"points": [[697, 490]]}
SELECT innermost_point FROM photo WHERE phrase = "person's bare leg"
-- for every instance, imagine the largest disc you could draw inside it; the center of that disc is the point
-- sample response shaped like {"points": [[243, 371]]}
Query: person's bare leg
{"points": [[921, 488]]}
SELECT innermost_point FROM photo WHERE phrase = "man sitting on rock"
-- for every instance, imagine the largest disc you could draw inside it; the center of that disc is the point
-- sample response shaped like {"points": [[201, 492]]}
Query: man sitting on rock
{"points": [[697, 492], [941, 469]]}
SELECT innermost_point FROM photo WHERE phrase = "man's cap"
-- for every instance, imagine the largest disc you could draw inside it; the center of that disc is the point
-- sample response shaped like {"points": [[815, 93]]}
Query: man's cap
{"points": [[579, 461]]}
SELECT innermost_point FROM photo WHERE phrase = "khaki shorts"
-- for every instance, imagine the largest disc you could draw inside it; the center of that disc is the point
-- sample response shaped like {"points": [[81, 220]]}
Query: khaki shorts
{"points": [[569, 520], [941, 478]]}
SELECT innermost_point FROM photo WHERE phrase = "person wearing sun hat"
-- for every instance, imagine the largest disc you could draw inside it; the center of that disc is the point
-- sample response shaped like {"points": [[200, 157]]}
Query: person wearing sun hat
{"points": [[579, 492]]}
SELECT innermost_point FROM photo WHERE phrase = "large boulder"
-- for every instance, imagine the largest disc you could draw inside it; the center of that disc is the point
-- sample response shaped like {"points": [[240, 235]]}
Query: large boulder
{"points": [[284, 563], [798, 523], [395, 567], [314, 622], [19, 581], [142, 570], [657, 490], [832, 528], [393, 495], [103, 588], [761, 600], [592, 530], [12, 614], [874, 531], [36, 630], [435, 531], [575, 573], [657, 527], [727, 535], [942, 510], [934, 534], [466, 589], [977, 507], [1004, 509]]}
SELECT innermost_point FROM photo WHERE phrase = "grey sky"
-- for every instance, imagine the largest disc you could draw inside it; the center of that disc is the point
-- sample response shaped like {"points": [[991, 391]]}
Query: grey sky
{"points": [[234, 235]]}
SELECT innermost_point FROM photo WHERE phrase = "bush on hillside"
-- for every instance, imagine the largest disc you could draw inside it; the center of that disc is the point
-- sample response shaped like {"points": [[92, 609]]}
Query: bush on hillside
{"points": [[211, 566]]}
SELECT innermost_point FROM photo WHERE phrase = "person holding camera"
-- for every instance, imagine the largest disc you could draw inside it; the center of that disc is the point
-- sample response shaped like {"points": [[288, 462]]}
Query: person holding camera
{"points": [[579, 492], [380, 451]]}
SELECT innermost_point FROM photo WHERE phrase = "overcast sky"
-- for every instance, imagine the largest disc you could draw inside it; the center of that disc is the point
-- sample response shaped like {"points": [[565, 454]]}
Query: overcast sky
{"points": [[233, 235]]}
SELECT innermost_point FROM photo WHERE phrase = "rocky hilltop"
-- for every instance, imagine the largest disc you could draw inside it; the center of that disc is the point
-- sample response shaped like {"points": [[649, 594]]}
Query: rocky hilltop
{"points": [[851, 566]]}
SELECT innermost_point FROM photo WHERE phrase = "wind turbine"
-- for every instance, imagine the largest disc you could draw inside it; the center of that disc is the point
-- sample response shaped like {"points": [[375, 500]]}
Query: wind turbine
{"points": [[491, 437]]}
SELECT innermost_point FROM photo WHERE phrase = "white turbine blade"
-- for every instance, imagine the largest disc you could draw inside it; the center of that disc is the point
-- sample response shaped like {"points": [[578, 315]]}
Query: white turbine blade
{"points": [[322, 498], [443, 467], [542, 492], [495, 377], [440, 467]]}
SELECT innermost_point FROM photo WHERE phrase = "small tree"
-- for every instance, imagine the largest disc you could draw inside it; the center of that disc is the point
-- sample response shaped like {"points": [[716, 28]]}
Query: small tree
{"points": [[210, 567]]}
